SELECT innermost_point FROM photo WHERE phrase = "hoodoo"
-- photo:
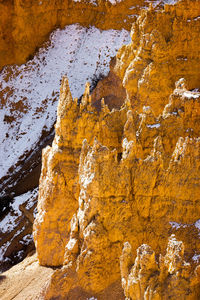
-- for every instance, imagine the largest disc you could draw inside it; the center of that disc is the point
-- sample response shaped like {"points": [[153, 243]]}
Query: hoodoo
{"points": [[118, 213]]}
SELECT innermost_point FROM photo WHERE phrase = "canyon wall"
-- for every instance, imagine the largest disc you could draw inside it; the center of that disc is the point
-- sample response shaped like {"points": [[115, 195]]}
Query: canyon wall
{"points": [[25, 25], [130, 175], [28, 100], [145, 172], [168, 277], [164, 48], [119, 186]]}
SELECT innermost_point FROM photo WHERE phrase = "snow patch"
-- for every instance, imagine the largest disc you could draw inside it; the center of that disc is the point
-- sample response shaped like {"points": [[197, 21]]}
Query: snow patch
{"points": [[177, 225], [172, 2], [196, 258], [197, 90], [3, 250], [78, 52], [157, 2], [191, 95], [197, 224], [26, 239], [114, 2], [10, 221], [157, 125]]}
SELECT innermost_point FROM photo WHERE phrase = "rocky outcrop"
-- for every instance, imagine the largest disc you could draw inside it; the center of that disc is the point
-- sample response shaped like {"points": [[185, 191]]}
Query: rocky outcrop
{"points": [[24, 281], [25, 25], [28, 99], [118, 189], [127, 174], [168, 278], [59, 178], [164, 48]]}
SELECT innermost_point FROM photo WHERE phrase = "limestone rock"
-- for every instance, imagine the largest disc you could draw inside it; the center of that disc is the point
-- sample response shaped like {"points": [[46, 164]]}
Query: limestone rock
{"points": [[118, 189], [59, 183], [165, 47], [148, 278], [121, 193], [25, 25], [130, 174]]}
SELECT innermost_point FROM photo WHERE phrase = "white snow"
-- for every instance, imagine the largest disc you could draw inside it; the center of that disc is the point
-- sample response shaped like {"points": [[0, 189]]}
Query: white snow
{"points": [[5, 246], [10, 220], [197, 18], [146, 108], [35, 212], [170, 1], [3, 250], [196, 257], [157, 125], [182, 58], [190, 95], [197, 224], [114, 1], [26, 239], [78, 52], [178, 225], [157, 2]]}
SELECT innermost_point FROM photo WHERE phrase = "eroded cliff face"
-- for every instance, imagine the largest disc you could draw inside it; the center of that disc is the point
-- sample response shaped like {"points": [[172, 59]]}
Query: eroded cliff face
{"points": [[118, 192], [169, 278], [160, 54], [25, 25], [128, 174], [59, 179]]}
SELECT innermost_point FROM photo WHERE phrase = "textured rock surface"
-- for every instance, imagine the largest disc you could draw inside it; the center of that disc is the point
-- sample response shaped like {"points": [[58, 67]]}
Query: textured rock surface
{"points": [[24, 281], [164, 48], [59, 183], [146, 170], [29, 97], [169, 278], [25, 25], [28, 101], [128, 174]]}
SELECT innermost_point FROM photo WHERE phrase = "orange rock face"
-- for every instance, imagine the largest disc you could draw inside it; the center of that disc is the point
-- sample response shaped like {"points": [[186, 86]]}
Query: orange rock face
{"points": [[171, 277], [25, 25], [130, 174], [122, 192], [164, 48], [59, 183]]}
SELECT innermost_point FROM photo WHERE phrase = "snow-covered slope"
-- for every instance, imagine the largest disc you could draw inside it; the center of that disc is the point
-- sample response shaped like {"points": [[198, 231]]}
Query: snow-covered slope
{"points": [[29, 93], [16, 230]]}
